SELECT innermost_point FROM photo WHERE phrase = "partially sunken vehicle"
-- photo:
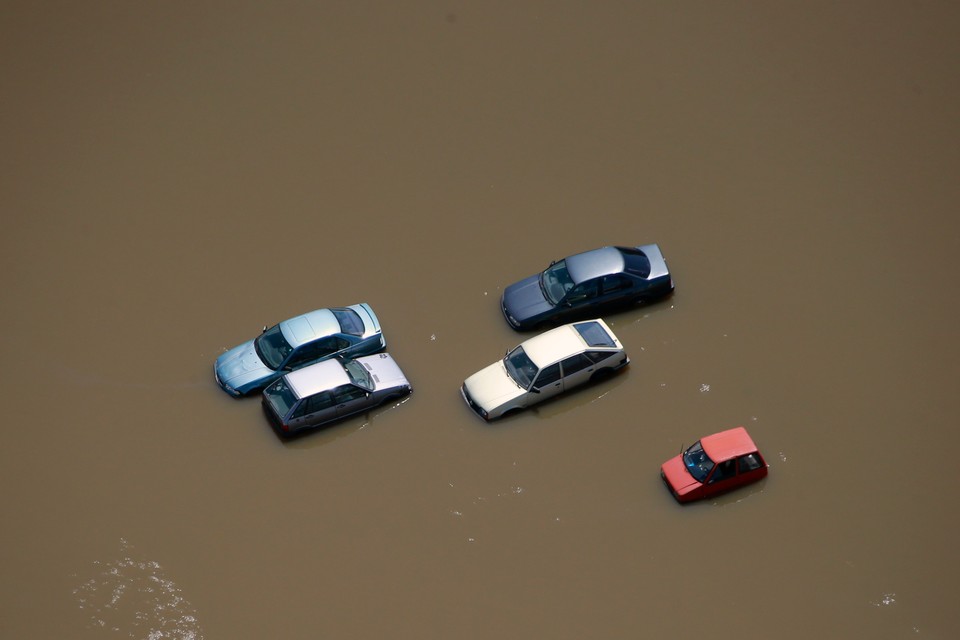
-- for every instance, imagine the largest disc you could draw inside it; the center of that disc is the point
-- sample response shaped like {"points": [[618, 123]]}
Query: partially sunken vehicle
{"points": [[296, 343], [586, 284], [332, 390], [544, 366], [712, 465]]}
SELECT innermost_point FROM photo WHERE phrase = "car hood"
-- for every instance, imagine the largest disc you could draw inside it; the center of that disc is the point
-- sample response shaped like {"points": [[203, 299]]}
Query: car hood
{"points": [[524, 300], [384, 370], [678, 477], [491, 387], [241, 366]]}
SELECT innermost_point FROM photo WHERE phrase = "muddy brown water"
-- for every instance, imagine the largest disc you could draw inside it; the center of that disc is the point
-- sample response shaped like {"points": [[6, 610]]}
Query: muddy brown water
{"points": [[177, 175]]}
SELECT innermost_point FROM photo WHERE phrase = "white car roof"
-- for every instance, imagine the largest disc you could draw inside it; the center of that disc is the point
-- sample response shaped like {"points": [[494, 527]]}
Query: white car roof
{"points": [[321, 376], [560, 343]]}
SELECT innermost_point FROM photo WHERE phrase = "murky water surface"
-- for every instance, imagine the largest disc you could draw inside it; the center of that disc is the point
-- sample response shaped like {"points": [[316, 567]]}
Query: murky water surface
{"points": [[175, 176]]}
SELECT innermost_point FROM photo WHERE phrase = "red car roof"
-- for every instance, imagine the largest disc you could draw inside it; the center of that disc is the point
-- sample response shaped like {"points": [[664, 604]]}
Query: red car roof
{"points": [[728, 444]]}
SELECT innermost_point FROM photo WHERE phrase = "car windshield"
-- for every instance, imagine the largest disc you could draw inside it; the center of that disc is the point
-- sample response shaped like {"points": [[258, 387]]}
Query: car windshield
{"points": [[555, 282], [358, 374], [697, 461], [350, 321], [520, 367], [280, 396], [272, 347]]}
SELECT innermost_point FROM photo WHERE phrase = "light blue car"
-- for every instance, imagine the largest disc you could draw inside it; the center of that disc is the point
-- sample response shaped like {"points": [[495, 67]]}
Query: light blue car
{"points": [[295, 343]]}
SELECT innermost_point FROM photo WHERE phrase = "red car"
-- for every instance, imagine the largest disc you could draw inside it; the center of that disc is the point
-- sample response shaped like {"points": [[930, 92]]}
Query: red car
{"points": [[715, 464]]}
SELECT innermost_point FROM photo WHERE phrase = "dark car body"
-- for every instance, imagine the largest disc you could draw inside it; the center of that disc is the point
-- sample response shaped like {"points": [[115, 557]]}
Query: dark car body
{"points": [[718, 463], [587, 283]]}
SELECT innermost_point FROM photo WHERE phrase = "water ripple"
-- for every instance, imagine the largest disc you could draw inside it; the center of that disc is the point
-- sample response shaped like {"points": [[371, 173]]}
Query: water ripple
{"points": [[135, 598]]}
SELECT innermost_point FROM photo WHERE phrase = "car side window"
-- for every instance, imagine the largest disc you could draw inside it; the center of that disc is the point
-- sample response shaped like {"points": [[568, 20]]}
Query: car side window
{"points": [[750, 462], [331, 344], [614, 283], [312, 404], [300, 410], [306, 353], [575, 363], [317, 349], [583, 291], [724, 470], [347, 393], [319, 402], [598, 356], [548, 375]]}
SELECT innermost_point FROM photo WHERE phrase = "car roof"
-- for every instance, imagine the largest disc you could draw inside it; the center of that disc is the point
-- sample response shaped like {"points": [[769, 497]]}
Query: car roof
{"points": [[559, 343], [595, 263], [321, 376], [728, 444], [310, 326]]}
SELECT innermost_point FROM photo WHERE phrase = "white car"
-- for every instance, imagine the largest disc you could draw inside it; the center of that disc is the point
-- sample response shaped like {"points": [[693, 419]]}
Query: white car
{"points": [[544, 366]]}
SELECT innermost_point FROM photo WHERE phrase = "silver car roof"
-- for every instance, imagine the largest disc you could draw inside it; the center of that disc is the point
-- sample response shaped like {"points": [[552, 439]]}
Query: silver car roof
{"points": [[321, 376], [595, 263], [309, 327]]}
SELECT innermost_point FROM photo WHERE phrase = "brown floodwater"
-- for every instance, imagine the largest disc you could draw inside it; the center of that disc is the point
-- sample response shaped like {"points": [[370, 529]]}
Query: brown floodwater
{"points": [[177, 175]]}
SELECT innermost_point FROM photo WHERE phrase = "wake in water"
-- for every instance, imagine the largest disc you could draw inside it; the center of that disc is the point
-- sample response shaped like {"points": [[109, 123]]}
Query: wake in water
{"points": [[133, 598]]}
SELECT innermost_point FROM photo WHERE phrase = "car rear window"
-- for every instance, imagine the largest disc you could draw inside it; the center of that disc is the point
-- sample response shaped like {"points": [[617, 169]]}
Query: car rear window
{"points": [[350, 321], [281, 396], [594, 334], [636, 262]]}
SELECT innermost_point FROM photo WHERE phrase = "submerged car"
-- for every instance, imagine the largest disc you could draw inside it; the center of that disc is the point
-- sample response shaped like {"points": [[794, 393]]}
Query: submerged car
{"points": [[587, 284], [296, 343], [331, 390], [544, 366], [713, 465]]}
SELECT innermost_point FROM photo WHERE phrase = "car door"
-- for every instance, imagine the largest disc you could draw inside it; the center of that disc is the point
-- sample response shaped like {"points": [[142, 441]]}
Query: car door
{"points": [[354, 347], [723, 477], [616, 289], [576, 370], [313, 411], [583, 295], [547, 384], [350, 399]]}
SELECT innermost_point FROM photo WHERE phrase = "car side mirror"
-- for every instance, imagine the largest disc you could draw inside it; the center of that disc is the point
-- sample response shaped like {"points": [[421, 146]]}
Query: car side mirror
{"points": [[534, 389], [264, 330]]}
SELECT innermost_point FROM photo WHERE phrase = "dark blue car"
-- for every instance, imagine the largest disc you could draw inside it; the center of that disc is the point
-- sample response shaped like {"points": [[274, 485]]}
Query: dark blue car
{"points": [[586, 284]]}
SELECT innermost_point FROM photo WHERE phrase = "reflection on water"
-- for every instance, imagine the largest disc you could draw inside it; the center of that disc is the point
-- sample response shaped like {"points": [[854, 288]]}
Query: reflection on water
{"points": [[886, 600], [134, 597]]}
